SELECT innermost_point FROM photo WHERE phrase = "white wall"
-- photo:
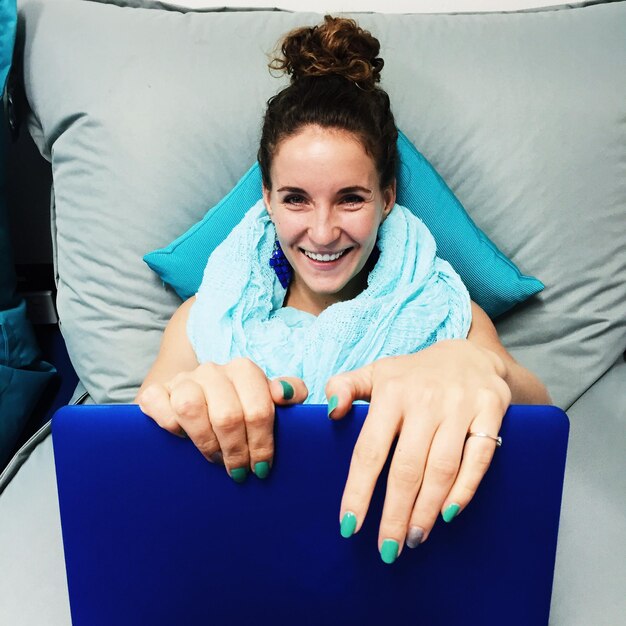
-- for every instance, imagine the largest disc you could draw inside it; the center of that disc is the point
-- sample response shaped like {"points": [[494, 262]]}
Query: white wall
{"points": [[382, 6]]}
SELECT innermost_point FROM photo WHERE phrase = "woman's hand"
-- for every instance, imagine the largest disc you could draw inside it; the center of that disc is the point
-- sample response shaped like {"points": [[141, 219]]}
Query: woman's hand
{"points": [[430, 400], [226, 410]]}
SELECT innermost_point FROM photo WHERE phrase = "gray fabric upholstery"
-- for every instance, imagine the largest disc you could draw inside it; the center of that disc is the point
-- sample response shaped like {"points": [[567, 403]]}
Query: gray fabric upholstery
{"points": [[505, 106], [590, 574]]}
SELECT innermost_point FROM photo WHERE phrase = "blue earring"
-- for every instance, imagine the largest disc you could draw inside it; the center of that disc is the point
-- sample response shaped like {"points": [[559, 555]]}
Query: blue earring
{"points": [[279, 263]]}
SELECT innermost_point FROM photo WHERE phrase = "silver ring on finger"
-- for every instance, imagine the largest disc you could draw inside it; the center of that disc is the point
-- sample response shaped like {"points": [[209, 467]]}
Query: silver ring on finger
{"points": [[498, 439]]}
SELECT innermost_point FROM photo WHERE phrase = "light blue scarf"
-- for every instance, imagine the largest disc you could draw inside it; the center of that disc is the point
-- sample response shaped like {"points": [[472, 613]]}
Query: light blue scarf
{"points": [[412, 300]]}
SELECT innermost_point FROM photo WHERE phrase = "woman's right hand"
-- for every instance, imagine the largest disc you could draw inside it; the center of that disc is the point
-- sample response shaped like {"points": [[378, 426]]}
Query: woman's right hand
{"points": [[226, 410]]}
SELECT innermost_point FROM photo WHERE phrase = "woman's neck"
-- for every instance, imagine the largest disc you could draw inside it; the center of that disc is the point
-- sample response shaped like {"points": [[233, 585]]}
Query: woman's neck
{"points": [[306, 301], [301, 298]]}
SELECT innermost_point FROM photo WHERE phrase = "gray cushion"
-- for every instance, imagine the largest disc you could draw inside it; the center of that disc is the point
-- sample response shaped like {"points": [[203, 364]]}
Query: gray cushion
{"points": [[149, 117], [590, 575]]}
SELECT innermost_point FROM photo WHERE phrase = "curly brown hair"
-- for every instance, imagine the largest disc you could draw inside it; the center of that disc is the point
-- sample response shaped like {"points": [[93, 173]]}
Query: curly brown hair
{"points": [[334, 69], [338, 46]]}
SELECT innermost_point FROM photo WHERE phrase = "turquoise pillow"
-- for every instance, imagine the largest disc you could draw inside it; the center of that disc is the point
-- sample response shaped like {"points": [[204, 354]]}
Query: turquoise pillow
{"points": [[494, 282], [8, 16]]}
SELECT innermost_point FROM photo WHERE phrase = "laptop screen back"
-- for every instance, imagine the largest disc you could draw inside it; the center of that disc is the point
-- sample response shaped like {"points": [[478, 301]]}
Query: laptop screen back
{"points": [[154, 534]]}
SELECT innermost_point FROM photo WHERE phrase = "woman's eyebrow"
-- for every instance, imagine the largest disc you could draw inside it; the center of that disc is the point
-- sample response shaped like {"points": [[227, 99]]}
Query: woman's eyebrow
{"points": [[292, 189], [354, 189]]}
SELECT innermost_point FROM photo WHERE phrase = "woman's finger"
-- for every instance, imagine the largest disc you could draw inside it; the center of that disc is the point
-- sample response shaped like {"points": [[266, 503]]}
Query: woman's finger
{"points": [[403, 483], [477, 456], [154, 401], [369, 456], [189, 405], [288, 390], [343, 389], [442, 466], [226, 419], [252, 389]]}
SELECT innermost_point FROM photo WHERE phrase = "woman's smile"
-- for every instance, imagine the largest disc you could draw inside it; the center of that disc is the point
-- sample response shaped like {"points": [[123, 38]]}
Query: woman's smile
{"points": [[325, 260]]}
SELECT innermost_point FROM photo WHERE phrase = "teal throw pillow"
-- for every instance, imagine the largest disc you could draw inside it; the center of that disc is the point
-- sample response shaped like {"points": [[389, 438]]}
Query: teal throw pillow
{"points": [[493, 280], [8, 16]]}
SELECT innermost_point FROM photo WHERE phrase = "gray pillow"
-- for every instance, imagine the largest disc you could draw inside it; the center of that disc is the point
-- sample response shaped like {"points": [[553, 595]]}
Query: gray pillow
{"points": [[149, 117]]}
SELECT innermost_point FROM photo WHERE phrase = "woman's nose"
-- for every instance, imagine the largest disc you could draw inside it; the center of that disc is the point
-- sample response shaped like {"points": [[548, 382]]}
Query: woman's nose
{"points": [[324, 228]]}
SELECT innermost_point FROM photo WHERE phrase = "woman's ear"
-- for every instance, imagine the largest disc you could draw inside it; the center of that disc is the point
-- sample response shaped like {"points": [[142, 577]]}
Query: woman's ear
{"points": [[266, 200], [389, 197]]}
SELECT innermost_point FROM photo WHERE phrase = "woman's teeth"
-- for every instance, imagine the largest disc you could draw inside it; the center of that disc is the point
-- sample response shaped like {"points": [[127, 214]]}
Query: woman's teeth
{"points": [[323, 257]]}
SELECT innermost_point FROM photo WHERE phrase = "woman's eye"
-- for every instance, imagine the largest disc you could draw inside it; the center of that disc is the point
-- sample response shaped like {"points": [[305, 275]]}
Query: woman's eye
{"points": [[352, 201], [294, 200]]}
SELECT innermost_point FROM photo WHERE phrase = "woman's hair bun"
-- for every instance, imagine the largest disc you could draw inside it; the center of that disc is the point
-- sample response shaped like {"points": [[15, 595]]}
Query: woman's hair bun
{"points": [[338, 46]]}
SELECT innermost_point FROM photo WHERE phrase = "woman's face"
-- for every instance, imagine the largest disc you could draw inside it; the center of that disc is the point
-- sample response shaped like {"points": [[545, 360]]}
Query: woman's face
{"points": [[327, 205]]}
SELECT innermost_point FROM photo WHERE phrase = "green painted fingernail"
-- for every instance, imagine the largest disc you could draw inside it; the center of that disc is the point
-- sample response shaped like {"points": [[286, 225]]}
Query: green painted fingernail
{"points": [[389, 551], [450, 513], [333, 401], [348, 525], [262, 469], [239, 474], [288, 390]]}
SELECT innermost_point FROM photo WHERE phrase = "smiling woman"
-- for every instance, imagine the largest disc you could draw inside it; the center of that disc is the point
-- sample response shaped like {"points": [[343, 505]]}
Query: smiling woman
{"points": [[329, 291]]}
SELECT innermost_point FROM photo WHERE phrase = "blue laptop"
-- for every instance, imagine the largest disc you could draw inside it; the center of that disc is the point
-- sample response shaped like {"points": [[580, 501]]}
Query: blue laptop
{"points": [[155, 535]]}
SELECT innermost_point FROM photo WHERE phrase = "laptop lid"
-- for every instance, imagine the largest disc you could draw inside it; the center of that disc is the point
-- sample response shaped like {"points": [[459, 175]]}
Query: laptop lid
{"points": [[154, 534]]}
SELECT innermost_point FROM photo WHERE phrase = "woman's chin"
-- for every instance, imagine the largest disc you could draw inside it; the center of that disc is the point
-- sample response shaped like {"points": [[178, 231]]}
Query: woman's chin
{"points": [[329, 280], [332, 289]]}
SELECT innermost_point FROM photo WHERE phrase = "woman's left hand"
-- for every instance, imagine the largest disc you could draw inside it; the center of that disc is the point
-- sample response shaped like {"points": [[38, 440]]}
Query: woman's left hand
{"points": [[430, 400]]}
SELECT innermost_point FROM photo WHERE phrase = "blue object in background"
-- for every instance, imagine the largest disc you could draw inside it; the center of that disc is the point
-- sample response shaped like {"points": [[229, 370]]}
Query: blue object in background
{"points": [[23, 375], [8, 18]]}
